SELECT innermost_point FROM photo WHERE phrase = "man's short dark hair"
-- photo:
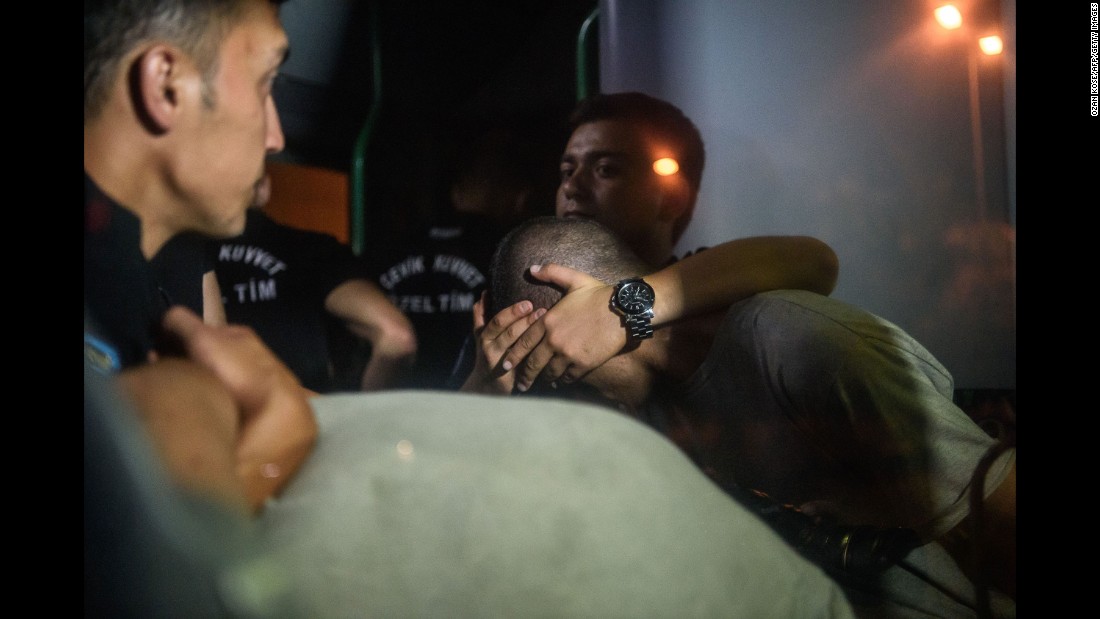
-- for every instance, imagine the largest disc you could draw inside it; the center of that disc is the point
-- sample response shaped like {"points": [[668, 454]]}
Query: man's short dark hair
{"points": [[114, 27], [661, 119], [581, 244]]}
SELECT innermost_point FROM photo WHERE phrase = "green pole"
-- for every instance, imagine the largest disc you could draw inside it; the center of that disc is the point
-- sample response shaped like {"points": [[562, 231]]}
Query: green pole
{"points": [[357, 214], [587, 81]]}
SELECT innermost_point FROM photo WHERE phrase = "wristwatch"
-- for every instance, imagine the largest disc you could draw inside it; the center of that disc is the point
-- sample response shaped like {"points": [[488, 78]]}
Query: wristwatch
{"points": [[633, 299]]}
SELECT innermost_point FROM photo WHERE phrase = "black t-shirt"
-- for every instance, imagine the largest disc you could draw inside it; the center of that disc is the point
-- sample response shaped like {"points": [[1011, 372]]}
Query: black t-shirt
{"points": [[180, 266], [121, 296], [275, 278], [435, 279]]}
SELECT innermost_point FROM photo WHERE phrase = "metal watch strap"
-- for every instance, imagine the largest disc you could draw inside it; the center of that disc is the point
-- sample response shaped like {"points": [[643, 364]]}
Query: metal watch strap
{"points": [[638, 325]]}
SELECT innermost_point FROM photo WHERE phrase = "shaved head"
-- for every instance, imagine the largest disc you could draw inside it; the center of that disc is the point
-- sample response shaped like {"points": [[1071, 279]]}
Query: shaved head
{"points": [[580, 244]]}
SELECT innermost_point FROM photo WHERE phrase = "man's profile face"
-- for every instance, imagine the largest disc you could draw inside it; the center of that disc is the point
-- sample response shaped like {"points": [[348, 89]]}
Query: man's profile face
{"points": [[607, 175], [224, 146]]}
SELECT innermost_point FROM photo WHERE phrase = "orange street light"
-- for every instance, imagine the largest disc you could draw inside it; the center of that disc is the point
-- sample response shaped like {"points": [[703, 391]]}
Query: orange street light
{"points": [[666, 166], [991, 45], [949, 16]]}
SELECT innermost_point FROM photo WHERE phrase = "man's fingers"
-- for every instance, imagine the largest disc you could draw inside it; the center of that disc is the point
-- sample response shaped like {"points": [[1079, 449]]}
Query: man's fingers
{"points": [[572, 374], [532, 366], [561, 276], [181, 322], [512, 333], [479, 313], [180, 327], [529, 354], [557, 370], [505, 318], [524, 342]]}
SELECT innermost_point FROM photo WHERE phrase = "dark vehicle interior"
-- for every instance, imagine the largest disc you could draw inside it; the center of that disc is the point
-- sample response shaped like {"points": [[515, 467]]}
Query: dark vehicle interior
{"points": [[410, 85]]}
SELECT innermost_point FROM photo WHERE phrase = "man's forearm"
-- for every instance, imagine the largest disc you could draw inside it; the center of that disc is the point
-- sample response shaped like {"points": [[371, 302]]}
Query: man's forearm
{"points": [[724, 274], [192, 421]]}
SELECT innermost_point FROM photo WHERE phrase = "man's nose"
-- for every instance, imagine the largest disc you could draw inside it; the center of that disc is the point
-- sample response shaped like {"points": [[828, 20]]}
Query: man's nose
{"points": [[274, 141], [574, 184]]}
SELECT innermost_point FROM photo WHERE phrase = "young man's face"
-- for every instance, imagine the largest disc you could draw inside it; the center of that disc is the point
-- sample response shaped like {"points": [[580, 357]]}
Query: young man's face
{"points": [[607, 175], [225, 145]]}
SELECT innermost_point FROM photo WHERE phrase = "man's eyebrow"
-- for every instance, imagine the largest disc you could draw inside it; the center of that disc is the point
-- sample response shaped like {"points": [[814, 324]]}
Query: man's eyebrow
{"points": [[613, 154], [597, 154]]}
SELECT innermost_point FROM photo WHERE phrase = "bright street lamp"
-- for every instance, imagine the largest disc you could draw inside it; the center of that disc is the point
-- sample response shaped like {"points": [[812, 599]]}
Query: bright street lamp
{"points": [[991, 45], [950, 18]]}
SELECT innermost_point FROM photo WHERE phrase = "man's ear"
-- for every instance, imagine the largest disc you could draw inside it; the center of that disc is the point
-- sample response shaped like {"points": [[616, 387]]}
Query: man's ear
{"points": [[154, 87]]}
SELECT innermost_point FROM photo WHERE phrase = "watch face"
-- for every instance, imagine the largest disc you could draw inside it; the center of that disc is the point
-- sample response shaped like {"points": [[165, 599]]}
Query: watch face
{"points": [[635, 297]]}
